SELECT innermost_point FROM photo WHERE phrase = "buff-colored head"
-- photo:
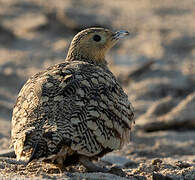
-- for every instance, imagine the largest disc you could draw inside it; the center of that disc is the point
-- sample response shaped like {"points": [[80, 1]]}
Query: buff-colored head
{"points": [[92, 44]]}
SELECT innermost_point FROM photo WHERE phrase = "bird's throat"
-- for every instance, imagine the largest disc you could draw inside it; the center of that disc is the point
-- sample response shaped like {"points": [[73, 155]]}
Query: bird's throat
{"points": [[86, 56]]}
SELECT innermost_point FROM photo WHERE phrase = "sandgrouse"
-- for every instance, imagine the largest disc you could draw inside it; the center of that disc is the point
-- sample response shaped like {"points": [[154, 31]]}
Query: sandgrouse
{"points": [[75, 111]]}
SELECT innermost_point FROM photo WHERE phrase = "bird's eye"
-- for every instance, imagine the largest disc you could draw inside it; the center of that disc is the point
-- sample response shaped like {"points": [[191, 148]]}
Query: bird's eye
{"points": [[96, 38]]}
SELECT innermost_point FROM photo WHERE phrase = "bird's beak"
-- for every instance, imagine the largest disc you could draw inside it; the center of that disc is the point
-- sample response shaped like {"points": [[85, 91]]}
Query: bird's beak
{"points": [[120, 34]]}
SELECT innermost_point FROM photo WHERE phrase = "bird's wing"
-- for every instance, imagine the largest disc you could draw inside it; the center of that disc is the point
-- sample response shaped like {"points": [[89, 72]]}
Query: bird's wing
{"points": [[101, 115], [78, 105]]}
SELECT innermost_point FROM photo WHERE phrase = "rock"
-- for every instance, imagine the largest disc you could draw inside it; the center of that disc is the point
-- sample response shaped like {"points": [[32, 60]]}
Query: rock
{"points": [[117, 171], [117, 160], [156, 161], [182, 164]]}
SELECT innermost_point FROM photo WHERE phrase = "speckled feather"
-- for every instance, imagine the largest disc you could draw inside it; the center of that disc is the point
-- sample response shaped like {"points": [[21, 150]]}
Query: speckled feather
{"points": [[73, 108]]}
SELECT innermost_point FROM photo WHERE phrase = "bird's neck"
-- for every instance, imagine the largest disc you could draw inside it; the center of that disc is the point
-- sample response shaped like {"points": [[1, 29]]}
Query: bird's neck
{"points": [[76, 54]]}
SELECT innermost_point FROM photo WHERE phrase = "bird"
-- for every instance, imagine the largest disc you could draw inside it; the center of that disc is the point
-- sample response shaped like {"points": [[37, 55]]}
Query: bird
{"points": [[76, 111]]}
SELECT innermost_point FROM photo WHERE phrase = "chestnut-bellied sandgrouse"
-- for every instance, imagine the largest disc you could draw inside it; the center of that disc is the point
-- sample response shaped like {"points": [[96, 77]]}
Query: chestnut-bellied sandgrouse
{"points": [[75, 111]]}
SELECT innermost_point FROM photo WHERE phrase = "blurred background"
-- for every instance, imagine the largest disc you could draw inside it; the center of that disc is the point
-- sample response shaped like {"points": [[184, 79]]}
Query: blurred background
{"points": [[155, 64]]}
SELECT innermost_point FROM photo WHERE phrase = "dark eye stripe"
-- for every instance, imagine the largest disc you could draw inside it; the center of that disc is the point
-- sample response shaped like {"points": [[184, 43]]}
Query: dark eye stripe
{"points": [[96, 38]]}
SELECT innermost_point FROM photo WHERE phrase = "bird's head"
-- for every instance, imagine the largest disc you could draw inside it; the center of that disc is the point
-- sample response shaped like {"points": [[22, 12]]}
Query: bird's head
{"points": [[92, 44]]}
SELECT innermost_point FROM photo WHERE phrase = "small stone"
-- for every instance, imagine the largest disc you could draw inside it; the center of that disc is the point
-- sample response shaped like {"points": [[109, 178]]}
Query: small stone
{"points": [[156, 161], [182, 164], [117, 171]]}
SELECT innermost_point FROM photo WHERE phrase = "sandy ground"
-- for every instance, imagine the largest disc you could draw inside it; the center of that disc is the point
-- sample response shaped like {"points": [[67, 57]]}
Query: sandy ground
{"points": [[36, 34]]}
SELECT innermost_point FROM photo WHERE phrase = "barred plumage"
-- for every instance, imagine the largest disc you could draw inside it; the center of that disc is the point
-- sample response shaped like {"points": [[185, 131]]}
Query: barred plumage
{"points": [[73, 109]]}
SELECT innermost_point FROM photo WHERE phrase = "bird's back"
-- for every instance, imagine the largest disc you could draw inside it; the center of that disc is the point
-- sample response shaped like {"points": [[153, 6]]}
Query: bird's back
{"points": [[73, 107]]}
